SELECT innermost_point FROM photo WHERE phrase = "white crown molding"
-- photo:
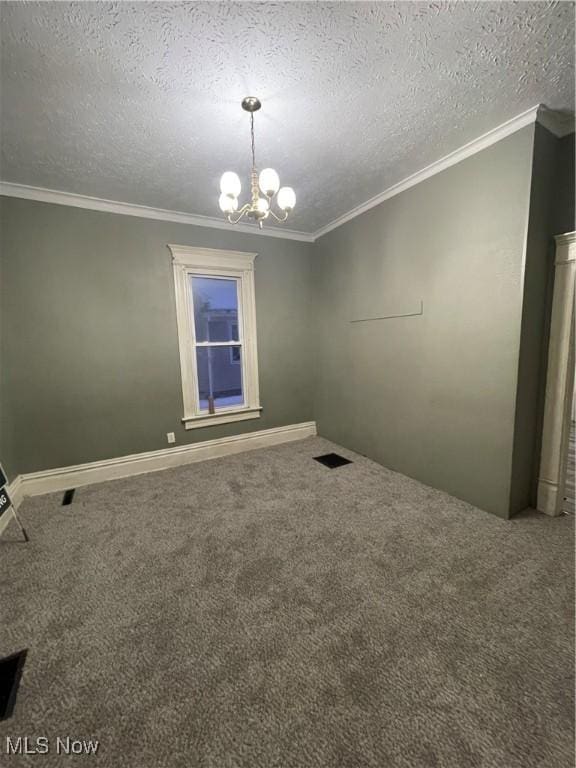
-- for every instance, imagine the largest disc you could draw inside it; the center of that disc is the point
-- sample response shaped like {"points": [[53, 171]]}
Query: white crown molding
{"points": [[560, 124], [41, 194], [477, 145], [557, 123], [53, 480]]}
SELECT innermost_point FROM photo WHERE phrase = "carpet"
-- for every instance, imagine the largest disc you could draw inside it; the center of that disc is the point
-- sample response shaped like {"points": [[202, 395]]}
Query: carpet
{"points": [[569, 501], [265, 611]]}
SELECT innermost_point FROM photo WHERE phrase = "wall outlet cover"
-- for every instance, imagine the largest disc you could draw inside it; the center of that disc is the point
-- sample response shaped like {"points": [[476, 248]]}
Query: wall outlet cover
{"points": [[171, 437]]}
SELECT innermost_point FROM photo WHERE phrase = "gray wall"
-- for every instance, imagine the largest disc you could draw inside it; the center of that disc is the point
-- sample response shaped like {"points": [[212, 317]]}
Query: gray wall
{"points": [[432, 396], [90, 364], [7, 453]]}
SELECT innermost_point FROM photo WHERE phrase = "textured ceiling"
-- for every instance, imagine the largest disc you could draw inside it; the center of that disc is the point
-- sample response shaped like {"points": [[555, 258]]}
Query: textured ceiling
{"points": [[140, 102]]}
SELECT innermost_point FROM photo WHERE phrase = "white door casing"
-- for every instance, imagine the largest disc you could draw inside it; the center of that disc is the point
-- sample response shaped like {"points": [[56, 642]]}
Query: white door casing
{"points": [[559, 380]]}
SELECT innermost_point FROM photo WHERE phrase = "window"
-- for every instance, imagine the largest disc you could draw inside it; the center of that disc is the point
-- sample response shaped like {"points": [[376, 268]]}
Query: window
{"points": [[217, 335]]}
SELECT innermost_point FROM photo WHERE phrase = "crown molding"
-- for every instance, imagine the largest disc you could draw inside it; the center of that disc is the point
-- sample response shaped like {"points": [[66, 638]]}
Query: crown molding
{"points": [[560, 124], [41, 194], [474, 146]]}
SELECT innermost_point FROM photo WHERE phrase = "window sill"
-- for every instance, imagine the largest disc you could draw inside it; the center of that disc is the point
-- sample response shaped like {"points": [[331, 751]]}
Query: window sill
{"points": [[212, 419]]}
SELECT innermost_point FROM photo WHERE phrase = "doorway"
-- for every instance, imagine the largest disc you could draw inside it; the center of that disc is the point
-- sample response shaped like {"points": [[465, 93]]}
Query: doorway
{"points": [[555, 481]]}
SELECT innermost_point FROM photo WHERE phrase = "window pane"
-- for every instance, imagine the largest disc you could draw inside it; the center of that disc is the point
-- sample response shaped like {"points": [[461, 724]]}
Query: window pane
{"points": [[219, 377], [215, 308]]}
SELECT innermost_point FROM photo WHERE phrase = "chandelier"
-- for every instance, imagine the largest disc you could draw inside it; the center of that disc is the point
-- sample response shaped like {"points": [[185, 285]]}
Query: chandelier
{"points": [[268, 183]]}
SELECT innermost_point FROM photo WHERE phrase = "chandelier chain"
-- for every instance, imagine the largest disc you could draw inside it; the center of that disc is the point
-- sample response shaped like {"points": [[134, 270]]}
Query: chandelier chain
{"points": [[252, 137]]}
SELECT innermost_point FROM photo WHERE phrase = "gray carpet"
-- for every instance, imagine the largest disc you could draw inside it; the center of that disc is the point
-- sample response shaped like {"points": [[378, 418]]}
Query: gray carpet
{"points": [[569, 501], [263, 611]]}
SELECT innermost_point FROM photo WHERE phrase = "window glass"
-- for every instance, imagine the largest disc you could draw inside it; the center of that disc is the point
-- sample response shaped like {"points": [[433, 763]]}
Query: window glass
{"points": [[219, 377], [215, 303]]}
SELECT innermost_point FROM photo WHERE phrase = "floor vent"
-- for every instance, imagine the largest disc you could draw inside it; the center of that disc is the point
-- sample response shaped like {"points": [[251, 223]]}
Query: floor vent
{"points": [[10, 674], [332, 460], [68, 496]]}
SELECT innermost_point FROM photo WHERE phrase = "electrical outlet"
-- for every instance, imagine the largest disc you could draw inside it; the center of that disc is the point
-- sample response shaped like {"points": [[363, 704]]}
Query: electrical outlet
{"points": [[171, 437]]}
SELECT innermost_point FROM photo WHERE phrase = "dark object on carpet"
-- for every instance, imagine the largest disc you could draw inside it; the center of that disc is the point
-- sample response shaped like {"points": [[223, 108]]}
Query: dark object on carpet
{"points": [[332, 460], [68, 496], [10, 674]]}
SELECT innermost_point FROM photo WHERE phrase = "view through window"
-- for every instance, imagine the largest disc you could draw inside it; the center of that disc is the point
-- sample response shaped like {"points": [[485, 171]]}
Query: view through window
{"points": [[218, 346]]}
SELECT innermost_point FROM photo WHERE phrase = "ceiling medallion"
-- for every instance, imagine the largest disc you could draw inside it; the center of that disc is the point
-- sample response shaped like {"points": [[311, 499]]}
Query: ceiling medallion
{"points": [[268, 183]]}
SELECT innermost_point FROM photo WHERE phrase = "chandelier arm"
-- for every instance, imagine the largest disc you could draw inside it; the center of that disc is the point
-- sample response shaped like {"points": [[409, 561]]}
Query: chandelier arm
{"points": [[240, 213], [278, 218]]}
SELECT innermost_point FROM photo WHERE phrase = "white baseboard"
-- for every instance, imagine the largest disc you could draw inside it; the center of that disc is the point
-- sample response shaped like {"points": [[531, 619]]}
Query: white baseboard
{"points": [[61, 479], [548, 501]]}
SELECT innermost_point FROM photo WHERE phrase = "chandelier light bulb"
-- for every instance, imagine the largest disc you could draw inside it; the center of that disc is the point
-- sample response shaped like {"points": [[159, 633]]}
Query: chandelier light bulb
{"points": [[227, 204], [230, 184], [263, 205], [269, 181], [286, 199]]}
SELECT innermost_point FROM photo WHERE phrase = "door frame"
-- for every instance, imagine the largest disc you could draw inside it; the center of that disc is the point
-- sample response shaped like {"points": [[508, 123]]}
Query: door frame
{"points": [[559, 380]]}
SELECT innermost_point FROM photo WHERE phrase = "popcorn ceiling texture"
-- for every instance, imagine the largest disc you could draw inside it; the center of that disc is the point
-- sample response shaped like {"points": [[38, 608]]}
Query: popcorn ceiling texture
{"points": [[140, 102]]}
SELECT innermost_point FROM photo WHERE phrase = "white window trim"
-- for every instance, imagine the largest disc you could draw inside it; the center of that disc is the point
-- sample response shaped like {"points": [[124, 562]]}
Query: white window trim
{"points": [[188, 261], [232, 361]]}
